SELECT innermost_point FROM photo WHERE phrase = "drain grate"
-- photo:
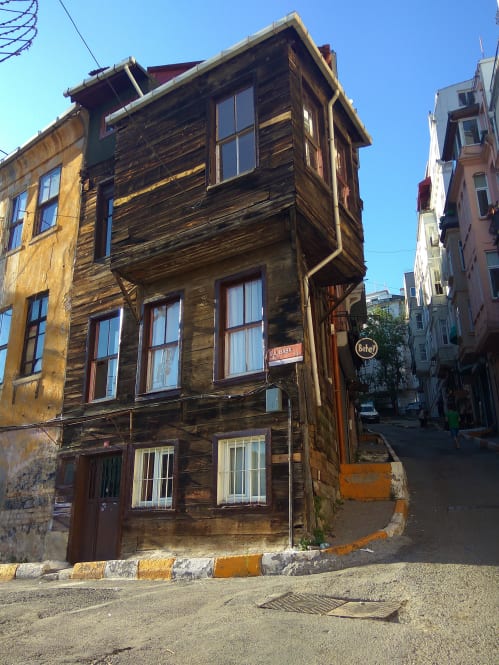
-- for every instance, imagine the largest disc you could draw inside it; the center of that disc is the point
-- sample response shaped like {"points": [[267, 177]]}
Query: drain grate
{"points": [[304, 603], [327, 605]]}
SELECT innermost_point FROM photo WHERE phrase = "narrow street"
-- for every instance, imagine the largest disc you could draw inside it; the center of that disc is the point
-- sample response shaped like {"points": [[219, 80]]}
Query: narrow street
{"points": [[443, 571], [454, 510]]}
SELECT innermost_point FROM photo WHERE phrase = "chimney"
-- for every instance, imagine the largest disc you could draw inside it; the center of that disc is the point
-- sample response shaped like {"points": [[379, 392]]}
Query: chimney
{"points": [[330, 57]]}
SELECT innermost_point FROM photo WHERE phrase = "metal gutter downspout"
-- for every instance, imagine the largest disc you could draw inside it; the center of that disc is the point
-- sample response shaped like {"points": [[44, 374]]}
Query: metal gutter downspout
{"points": [[328, 259], [290, 474], [337, 393], [133, 81]]}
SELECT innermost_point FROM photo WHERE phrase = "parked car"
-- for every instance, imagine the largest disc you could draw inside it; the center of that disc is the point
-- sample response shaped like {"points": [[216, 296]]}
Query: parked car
{"points": [[368, 413], [412, 409]]}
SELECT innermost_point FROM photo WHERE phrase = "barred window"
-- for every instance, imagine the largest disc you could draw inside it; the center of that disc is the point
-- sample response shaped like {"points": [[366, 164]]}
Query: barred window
{"points": [[242, 470], [153, 478]]}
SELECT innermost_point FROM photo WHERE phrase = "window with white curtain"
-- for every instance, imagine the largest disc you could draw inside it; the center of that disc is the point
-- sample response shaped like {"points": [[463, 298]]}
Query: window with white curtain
{"points": [[242, 469], [243, 342], [161, 345]]}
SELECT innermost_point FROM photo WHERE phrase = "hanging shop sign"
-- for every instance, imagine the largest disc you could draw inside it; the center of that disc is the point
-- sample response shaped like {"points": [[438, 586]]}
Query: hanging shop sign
{"points": [[366, 348]]}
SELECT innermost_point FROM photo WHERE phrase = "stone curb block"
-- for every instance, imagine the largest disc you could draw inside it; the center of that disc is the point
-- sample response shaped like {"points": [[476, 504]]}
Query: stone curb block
{"points": [[274, 563], [155, 569], [341, 550], [399, 486], [88, 570], [118, 569], [238, 566], [8, 571], [193, 569], [397, 524], [31, 571]]}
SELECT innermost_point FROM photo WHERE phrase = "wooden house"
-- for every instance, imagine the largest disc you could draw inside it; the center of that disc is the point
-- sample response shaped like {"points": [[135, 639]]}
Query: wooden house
{"points": [[206, 400]]}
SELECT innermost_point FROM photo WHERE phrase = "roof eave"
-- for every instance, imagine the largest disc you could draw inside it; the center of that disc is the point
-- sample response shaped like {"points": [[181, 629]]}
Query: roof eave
{"points": [[290, 21], [102, 76]]}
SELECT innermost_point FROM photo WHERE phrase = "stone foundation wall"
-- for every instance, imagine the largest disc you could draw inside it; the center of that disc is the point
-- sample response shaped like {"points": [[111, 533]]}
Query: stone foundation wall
{"points": [[27, 481]]}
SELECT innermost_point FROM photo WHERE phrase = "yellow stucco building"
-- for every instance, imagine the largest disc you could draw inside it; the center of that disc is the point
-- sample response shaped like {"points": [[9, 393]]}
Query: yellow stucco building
{"points": [[39, 218]]}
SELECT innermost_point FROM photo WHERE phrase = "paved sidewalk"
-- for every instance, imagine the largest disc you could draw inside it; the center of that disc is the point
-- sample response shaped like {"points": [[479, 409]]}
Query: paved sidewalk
{"points": [[357, 525]]}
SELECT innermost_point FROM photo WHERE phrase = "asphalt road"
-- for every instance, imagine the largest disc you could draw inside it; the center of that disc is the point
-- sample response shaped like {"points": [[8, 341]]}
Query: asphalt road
{"points": [[443, 571]]}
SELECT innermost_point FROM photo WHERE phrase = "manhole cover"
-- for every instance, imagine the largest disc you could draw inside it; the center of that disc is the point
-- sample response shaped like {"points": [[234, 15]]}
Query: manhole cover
{"points": [[304, 603], [327, 605], [365, 609]]}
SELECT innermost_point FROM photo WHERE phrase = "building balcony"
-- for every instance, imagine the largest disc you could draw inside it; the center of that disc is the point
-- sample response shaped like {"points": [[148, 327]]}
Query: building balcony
{"points": [[444, 359]]}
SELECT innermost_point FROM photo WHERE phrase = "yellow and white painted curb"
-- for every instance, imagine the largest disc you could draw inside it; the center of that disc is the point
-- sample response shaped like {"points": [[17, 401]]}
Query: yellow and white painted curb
{"points": [[390, 482]]}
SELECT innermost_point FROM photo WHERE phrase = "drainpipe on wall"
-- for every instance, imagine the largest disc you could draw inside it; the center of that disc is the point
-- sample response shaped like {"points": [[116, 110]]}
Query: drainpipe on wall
{"points": [[290, 474], [133, 81], [337, 394], [328, 259]]}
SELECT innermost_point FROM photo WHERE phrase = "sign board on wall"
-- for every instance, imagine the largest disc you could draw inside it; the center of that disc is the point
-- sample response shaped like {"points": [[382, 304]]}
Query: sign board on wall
{"points": [[282, 355], [366, 348]]}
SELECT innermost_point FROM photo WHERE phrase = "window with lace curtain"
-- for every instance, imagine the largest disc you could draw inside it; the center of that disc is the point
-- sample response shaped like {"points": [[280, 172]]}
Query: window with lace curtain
{"points": [[241, 327]]}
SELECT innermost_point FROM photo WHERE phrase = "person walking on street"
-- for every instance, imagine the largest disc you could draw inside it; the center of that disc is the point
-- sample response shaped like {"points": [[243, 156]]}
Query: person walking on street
{"points": [[453, 420]]}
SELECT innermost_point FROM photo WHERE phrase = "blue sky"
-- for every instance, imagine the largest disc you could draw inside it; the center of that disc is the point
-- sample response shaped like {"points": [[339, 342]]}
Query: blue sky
{"points": [[392, 58]]}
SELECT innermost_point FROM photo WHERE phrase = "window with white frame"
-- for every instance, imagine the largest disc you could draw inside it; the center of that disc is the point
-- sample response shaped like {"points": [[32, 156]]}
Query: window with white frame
{"points": [[5, 320], [161, 342], [482, 193], [16, 220], [235, 135], [466, 97], [241, 341], [419, 321], [493, 267], [423, 355], [470, 132], [242, 469], [48, 200], [153, 474]]}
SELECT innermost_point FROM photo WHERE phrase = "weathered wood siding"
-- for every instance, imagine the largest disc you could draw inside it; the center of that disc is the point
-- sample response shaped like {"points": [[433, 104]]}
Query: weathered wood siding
{"points": [[94, 290], [166, 202], [314, 194], [194, 415], [175, 231]]}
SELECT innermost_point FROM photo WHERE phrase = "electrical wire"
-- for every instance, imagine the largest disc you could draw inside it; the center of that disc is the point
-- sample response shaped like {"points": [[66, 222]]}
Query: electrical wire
{"points": [[129, 115]]}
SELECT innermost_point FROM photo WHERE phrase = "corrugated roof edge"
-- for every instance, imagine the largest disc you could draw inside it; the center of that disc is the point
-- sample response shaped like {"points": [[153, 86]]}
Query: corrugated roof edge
{"points": [[291, 20]]}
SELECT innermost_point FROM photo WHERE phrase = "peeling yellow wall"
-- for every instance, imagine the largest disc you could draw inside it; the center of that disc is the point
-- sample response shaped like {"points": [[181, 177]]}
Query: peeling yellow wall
{"points": [[43, 262]]}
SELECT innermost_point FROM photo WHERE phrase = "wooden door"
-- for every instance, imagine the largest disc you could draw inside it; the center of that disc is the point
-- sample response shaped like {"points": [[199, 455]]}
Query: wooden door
{"points": [[100, 520]]}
